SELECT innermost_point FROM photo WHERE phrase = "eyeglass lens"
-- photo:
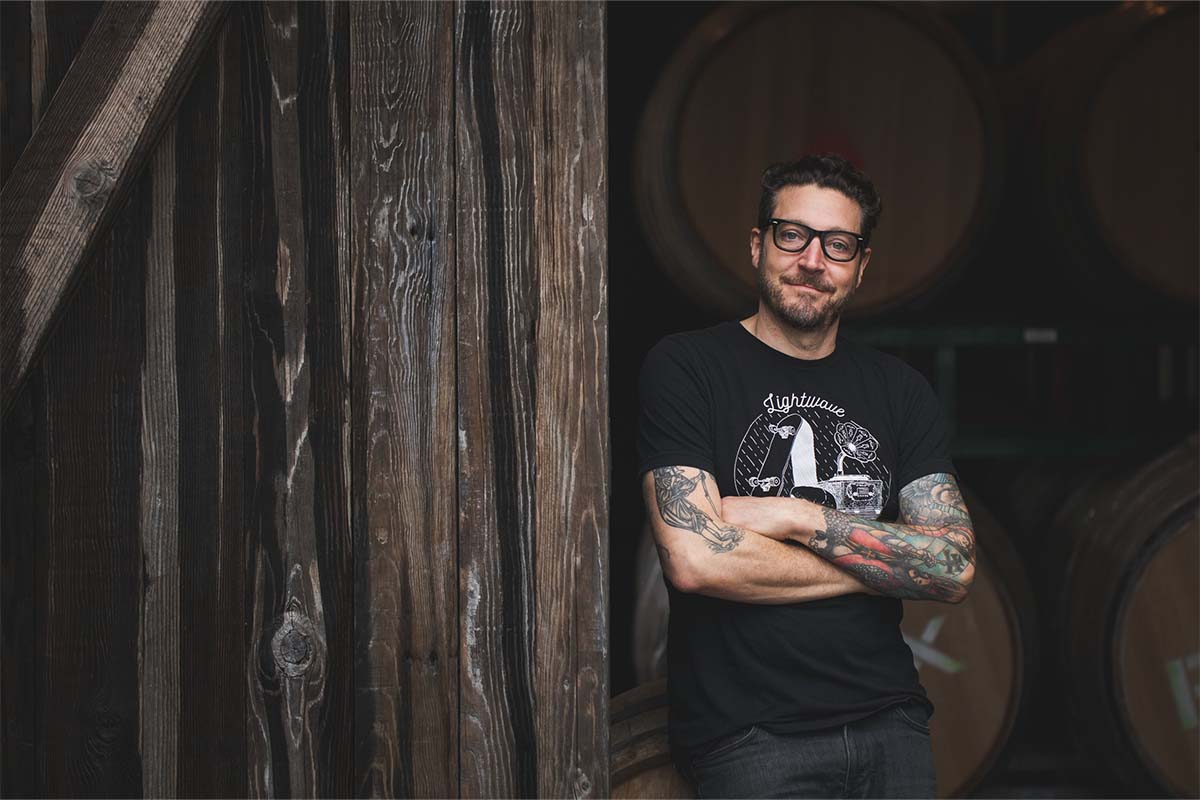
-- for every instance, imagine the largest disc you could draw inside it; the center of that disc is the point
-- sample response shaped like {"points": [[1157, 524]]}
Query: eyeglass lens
{"points": [[792, 237]]}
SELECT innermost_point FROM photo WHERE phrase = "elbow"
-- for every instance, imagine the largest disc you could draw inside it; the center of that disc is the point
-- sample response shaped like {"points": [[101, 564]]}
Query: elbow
{"points": [[965, 579], [685, 575]]}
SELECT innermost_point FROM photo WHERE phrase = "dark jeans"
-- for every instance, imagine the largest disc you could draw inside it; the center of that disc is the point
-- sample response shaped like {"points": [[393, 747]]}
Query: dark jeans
{"points": [[884, 755]]}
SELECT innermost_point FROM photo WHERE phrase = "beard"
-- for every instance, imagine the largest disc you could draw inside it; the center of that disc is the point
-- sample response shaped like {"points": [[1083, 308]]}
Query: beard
{"points": [[806, 314]]}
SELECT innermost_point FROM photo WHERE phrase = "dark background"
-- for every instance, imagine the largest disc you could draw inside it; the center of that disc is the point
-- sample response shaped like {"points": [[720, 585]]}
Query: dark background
{"points": [[1019, 410]]}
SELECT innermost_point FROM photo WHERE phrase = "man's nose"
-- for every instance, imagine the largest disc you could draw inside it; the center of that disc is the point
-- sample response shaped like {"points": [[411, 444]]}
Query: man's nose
{"points": [[811, 257]]}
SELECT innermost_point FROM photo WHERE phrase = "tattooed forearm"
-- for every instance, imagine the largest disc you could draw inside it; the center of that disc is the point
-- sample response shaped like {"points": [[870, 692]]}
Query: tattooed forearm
{"points": [[931, 559], [912, 567], [673, 490]]}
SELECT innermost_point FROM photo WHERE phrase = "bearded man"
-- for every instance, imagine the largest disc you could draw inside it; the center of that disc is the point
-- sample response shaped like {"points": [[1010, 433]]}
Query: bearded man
{"points": [[789, 536]]}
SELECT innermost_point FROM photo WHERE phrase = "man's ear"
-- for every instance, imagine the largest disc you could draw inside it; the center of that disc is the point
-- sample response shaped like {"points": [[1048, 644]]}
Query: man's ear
{"points": [[863, 266], [755, 246]]}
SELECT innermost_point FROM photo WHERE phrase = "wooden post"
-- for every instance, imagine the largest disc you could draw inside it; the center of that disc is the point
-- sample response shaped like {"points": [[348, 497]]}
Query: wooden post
{"points": [[532, 372], [407, 589], [300, 579]]}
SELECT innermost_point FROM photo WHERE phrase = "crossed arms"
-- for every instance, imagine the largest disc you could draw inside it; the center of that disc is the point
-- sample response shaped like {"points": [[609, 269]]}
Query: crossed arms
{"points": [[784, 549]]}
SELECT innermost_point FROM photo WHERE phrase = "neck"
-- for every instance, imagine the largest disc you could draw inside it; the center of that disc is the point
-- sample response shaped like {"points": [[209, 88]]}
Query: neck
{"points": [[806, 344]]}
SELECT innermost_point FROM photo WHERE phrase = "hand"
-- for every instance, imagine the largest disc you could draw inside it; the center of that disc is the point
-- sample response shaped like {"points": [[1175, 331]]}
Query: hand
{"points": [[777, 517]]}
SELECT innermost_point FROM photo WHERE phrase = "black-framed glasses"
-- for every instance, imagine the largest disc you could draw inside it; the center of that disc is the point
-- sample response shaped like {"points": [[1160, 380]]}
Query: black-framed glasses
{"points": [[792, 237]]}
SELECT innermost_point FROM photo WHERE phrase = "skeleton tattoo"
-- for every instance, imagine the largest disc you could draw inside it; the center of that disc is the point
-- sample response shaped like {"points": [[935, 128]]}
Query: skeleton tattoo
{"points": [[923, 559], [673, 490]]}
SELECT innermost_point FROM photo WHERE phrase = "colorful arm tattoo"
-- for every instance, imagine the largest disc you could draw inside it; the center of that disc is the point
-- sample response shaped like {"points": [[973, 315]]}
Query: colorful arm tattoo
{"points": [[928, 557], [673, 491]]}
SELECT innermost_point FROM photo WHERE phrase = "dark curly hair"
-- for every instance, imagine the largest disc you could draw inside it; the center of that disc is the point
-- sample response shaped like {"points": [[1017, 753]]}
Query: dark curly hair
{"points": [[829, 171]]}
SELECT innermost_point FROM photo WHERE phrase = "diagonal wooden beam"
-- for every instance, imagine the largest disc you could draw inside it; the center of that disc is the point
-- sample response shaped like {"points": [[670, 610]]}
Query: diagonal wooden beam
{"points": [[95, 138]]}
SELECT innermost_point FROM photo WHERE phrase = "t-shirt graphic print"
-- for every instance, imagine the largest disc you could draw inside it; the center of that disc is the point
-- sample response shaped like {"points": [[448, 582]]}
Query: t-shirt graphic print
{"points": [[802, 446]]}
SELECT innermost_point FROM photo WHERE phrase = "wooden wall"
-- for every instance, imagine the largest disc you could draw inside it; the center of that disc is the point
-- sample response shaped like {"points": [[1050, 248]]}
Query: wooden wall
{"points": [[306, 491]]}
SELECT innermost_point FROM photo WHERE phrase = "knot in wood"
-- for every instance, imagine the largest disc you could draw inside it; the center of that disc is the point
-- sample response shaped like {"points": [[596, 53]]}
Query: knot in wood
{"points": [[93, 180], [295, 648], [293, 644], [582, 784]]}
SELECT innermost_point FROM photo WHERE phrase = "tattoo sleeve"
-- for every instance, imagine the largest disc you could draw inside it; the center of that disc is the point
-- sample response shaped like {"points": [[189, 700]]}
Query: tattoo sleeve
{"points": [[673, 490], [931, 556]]}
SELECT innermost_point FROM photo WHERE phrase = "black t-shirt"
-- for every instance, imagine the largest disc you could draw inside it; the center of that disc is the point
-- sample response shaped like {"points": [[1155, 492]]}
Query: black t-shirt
{"points": [[848, 430]]}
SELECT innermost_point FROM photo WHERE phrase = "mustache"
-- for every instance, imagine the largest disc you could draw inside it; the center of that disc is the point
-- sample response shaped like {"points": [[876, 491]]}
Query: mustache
{"points": [[821, 287]]}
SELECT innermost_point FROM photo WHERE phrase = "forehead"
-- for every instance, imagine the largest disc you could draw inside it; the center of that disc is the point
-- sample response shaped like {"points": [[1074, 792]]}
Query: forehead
{"points": [[818, 207]]}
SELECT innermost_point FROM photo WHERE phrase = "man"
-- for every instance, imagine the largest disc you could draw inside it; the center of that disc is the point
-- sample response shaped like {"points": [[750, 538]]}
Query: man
{"points": [[773, 455]]}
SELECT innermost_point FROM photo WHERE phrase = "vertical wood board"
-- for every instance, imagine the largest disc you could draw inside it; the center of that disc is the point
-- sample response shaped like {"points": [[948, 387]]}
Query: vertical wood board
{"points": [[295, 393], [497, 299], [570, 226], [403, 475], [211, 167], [532, 384]]}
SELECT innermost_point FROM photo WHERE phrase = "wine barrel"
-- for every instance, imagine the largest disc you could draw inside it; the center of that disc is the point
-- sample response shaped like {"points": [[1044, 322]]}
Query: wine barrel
{"points": [[1130, 623], [640, 757], [889, 86], [974, 658], [1113, 116]]}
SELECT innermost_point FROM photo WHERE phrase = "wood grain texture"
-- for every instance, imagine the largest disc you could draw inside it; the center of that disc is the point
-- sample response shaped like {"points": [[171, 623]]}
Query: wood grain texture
{"points": [[23, 514], [158, 678], [571, 227], [94, 139], [22, 456], [406, 657], [497, 360], [532, 397], [298, 574], [324, 125], [88, 629], [236, 554], [211, 168], [55, 39]]}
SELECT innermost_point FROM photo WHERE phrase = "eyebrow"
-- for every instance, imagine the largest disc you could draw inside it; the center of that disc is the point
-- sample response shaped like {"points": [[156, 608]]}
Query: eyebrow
{"points": [[822, 230]]}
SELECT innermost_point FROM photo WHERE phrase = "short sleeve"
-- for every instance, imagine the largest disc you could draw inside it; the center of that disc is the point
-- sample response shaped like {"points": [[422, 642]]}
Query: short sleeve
{"points": [[674, 426], [924, 437]]}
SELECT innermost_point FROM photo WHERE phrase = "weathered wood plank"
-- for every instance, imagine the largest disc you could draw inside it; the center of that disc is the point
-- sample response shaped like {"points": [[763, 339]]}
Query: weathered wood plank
{"points": [[497, 358], [23, 516], [403, 475], [22, 456], [91, 144], [300, 581], [570, 230], [54, 36], [88, 628], [298, 639], [533, 399], [212, 170], [263, 412], [324, 119], [158, 678]]}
